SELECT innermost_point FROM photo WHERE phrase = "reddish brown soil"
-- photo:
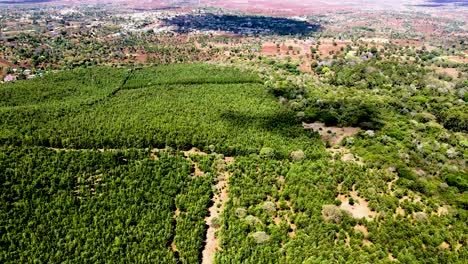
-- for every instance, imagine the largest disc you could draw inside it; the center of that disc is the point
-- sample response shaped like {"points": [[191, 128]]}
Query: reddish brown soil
{"points": [[449, 71]]}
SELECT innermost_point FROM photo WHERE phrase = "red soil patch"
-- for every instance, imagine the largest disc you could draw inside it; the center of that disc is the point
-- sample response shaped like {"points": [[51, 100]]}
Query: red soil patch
{"points": [[305, 67], [269, 50], [449, 71], [407, 42], [458, 59], [334, 135]]}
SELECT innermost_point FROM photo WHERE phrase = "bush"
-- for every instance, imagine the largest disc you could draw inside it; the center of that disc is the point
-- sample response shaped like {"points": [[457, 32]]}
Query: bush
{"points": [[251, 220], [267, 153], [260, 237], [455, 118], [420, 216], [270, 207], [405, 172], [331, 213], [215, 222], [297, 155], [241, 212], [458, 179]]}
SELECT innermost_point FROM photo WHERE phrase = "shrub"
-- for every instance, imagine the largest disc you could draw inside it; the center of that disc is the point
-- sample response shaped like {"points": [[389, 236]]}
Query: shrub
{"points": [[267, 153], [260, 237], [215, 222], [241, 212], [420, 216], [270, 207], [458, 179], [337, 202], [331, 213], [297, 155], [251, 220], [405, 172]]}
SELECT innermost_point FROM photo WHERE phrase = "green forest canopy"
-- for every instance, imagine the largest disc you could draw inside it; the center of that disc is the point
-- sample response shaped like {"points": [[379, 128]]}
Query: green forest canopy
{"points": [[84, 205]]}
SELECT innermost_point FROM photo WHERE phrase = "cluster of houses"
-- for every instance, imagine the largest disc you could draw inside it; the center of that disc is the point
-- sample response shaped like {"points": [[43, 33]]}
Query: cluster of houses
{"points": [[18, 74]]}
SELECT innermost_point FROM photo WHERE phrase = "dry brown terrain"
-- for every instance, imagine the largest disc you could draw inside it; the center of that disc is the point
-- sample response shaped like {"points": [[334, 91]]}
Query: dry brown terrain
{"points": [[334, 135]]}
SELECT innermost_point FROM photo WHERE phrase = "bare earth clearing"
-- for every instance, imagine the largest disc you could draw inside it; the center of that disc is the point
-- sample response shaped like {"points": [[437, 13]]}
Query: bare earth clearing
{"points": [[334, 135], [360, 208]]}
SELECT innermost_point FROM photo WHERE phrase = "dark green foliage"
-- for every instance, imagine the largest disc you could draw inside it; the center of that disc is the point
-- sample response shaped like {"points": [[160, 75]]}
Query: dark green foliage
{"points": [[374, 74], [307, 186], [237, 118], [348, 112], [455, 118], [67, 88], [458, 179], [405, 172], [89, 206], [188, 74]]}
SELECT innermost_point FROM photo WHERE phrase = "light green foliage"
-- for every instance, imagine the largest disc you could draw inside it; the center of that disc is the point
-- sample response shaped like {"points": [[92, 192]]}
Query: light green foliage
{"points": [[188, 74], [297, 155], [237, 118]]}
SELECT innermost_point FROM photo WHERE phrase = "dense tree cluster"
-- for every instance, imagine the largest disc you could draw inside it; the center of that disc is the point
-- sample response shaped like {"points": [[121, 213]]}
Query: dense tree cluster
{"points": [[112, 206], [237, 117]]}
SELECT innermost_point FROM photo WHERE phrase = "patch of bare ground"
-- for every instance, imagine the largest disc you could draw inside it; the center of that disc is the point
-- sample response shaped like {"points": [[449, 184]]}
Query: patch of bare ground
{"points": [[229, 160], [452, 72], [71, 149], [292, 226], [459, 59], [194, 151], [153, 154], [443, 210], [277, 220], [305, 67], [346, 155], [390, 257], [390, 184], [458, 246], [219, 199], [174, 247], [334, 135], [196, 170], [360, 208], [444, 246], [362, 229], [347, 239], [365, 233]]}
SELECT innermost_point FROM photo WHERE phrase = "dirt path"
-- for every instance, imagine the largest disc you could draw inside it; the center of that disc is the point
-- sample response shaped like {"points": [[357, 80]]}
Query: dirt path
{"points": [[219, 198]]}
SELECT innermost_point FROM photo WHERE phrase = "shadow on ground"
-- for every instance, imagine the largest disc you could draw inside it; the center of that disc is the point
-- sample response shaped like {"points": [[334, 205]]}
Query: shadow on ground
{"points": [[284, 124], [242, 25]]}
